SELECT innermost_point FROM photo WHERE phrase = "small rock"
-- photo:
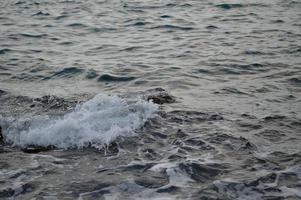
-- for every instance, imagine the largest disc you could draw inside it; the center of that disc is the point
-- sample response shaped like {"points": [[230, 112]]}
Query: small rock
{"points": [[161, 99], [160, 96], [215, 117]]}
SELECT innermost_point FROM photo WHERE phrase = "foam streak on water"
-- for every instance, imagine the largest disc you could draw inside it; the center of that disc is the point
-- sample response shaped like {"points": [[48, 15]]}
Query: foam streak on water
{"points": [[96, 122]]}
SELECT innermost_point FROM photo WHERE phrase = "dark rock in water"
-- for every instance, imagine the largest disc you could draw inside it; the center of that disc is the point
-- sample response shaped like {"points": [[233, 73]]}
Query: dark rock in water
{"points": [[37, 149], [48, 99], [112, 148], [215, 117], [159, 96], [199, 172]]}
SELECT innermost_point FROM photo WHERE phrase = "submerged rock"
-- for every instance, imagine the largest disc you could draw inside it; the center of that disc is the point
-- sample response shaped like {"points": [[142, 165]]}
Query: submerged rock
{"points": [[161, 99], [111, 149], [159, 96], [215, 117]]}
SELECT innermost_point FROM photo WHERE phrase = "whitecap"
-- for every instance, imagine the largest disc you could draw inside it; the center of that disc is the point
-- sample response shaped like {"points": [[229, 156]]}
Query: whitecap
{"points": [[95, 123]]}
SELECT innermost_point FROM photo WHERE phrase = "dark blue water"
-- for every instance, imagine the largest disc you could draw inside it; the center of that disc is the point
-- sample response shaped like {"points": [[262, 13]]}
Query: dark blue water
{"points": [[233, 67]]}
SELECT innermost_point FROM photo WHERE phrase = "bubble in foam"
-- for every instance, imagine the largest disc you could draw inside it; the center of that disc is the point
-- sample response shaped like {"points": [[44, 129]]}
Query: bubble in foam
{"points": [[93, 123]]}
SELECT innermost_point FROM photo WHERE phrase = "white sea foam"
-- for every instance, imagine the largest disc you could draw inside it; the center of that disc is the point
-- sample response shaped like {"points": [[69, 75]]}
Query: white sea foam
{"points": [[95, 122]]}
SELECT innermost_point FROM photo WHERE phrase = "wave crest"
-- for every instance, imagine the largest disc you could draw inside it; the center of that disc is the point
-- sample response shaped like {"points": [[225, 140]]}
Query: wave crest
{"points": [[94, 123]]}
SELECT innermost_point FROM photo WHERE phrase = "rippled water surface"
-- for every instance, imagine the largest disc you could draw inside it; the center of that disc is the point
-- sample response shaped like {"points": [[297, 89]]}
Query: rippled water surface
{"points": [[226, 75]]}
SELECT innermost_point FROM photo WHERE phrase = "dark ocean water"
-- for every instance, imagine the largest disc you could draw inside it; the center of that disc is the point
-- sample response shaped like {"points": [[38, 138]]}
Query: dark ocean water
{"points": [[227, 75]]}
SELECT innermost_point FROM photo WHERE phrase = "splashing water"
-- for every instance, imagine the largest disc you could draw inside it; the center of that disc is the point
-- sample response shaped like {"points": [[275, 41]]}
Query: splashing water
{"points": [[93, 123]]}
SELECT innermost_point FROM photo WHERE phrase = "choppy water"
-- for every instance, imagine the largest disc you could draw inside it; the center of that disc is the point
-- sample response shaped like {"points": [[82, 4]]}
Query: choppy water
{"points": [[232, 129]]}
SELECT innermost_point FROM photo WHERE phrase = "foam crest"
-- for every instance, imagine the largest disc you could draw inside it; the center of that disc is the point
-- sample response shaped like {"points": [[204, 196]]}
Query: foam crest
{"points": [[93, 123]]}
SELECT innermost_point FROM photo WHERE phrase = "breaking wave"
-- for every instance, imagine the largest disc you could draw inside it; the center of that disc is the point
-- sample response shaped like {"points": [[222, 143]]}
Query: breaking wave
{"points": [[94, 123]]}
